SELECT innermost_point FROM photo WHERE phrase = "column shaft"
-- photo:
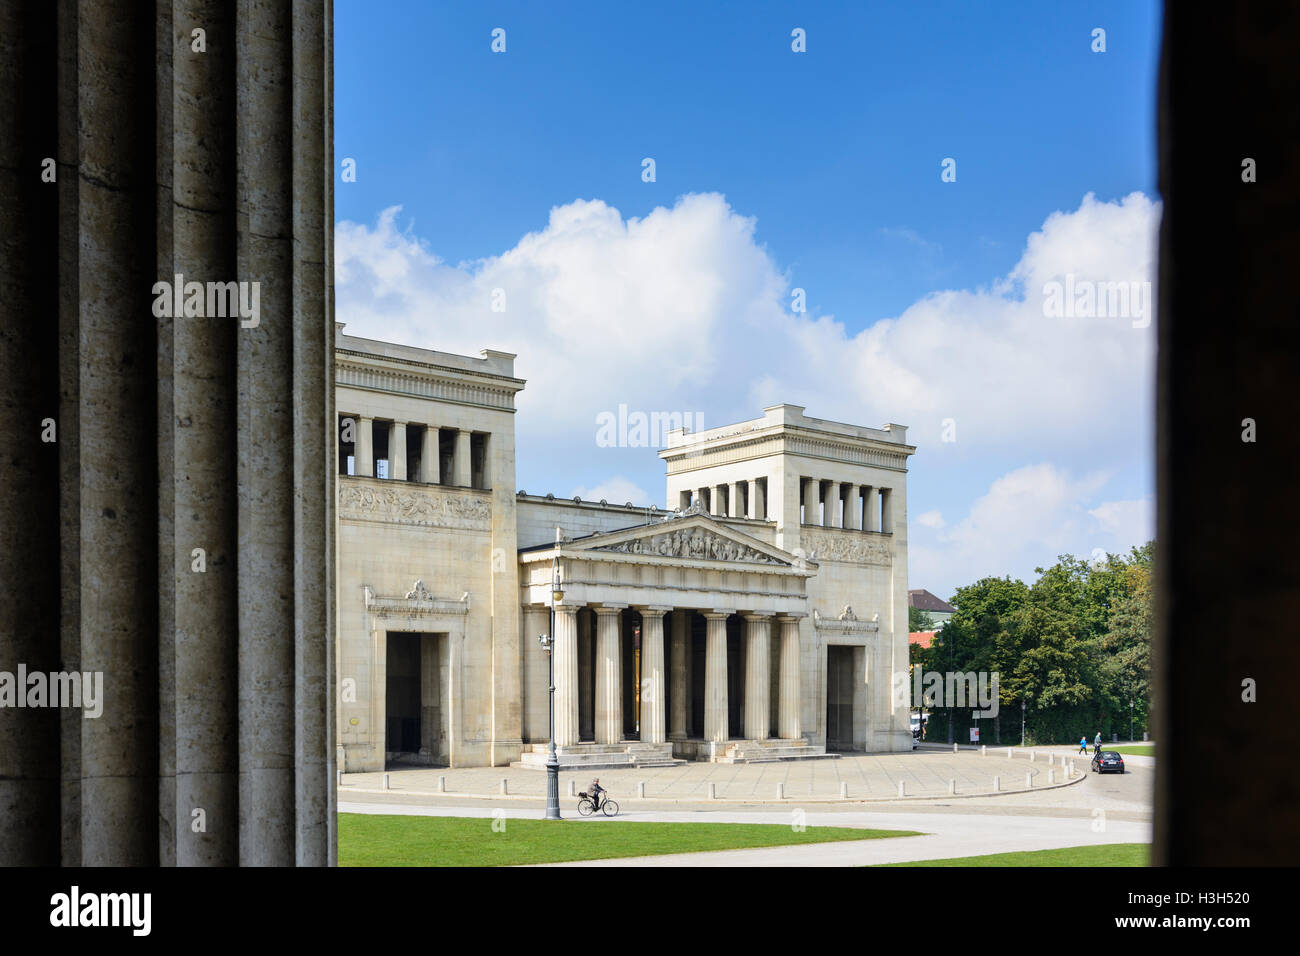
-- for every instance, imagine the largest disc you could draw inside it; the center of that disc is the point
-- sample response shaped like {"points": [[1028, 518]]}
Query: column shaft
{"points": [[609, 676], [810, 495], [397, 451], [364, 463], [566, 675], [677, 715], [715, 679], [757, 681], [886, 510], [828, 512], [788, 716], [429, 456], [733, 501], [652, 676], [853, 508], [460, 461], [757, 500], [871, 512]]}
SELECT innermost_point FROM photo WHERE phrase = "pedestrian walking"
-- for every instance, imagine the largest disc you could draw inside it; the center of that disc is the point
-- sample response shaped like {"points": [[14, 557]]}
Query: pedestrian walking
{"points": [[1083, 744], [1096, 744]]}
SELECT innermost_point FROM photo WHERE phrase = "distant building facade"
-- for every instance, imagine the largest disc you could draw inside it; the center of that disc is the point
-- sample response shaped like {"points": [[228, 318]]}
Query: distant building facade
{"points": [[761, 614]]}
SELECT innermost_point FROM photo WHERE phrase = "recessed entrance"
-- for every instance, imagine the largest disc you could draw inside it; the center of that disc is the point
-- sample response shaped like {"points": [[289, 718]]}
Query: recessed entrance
{"points": [[839, 698], [415, 701]]}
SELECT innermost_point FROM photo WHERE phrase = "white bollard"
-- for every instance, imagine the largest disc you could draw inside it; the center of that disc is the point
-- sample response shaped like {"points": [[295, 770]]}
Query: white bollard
{"points": [[954, 746], [573, 787], [340, 779], [713, 792], [780, 791], [997, 784], [385, 781], [1051, 759], [844, 790], [1008, 753], [442, 784], [640, 788], [1051, 776], [1031, 756], [504, 788], [1029, 780], [984, 750], [952, 786], [902, 788]]}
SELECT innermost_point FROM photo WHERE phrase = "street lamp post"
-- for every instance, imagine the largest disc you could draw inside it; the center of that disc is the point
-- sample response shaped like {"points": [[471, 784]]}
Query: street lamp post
{"points": [[1130, 719], [548, 644], [1022, 721]]}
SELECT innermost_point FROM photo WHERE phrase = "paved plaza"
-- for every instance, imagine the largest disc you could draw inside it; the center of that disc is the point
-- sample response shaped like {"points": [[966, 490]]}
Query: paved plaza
{"points": [[923, 774]]}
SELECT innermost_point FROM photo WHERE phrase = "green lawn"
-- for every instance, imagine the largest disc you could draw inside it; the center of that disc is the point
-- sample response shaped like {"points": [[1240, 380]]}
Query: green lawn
{"points": [[382, 840], [1109, 854], [1137, 750]]}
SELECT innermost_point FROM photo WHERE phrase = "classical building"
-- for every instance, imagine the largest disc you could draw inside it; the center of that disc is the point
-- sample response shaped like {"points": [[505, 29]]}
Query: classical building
{"points": [[762, 614]]}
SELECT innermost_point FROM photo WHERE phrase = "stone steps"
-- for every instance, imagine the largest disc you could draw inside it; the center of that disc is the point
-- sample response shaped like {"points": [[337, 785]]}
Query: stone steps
{"points": [[628, 754]]}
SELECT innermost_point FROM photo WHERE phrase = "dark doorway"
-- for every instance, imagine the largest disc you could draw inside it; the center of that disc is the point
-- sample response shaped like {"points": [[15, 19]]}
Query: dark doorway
{"points": [[415, 707], [839, 698]]}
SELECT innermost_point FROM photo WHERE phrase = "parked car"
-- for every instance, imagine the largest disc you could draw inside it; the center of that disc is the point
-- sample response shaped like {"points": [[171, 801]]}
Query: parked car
{"points": [[1108, 761]]}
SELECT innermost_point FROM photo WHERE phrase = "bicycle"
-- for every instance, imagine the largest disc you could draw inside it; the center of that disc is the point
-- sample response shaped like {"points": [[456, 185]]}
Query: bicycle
{"points": [[586, 807]]}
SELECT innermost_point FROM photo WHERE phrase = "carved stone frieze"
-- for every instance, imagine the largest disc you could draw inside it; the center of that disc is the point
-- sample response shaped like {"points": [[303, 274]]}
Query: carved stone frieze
{"points": [[852, 547], [693, 543], [427, 505]]}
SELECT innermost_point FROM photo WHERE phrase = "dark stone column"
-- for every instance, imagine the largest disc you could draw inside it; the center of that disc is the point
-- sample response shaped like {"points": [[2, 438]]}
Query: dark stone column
{"points": [[1227, 568], [174, 433]]}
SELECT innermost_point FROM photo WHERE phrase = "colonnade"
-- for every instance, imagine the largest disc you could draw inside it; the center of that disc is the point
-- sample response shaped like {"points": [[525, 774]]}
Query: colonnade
{"points": [[664, 696], [847, 505], [429, 466]]}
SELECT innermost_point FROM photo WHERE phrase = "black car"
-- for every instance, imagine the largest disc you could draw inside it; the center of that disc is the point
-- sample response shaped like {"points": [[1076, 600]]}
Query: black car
{"points": [[1108, 761]]}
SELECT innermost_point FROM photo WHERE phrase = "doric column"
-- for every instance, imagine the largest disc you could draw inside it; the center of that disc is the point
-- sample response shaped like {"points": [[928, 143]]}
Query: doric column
{"points": [[677, 716], [853, 508], [716, 506], [810, 491], [653, 685], [757, 500], [757, 680], [828, 512], [871, 512], [788, 705], [715, 678], [586, 673], [566, 675], [430, 456], [397, 451], [460, 461], [609, 676], [702, 498], [733, 501], [364, 465], [886, 510]]}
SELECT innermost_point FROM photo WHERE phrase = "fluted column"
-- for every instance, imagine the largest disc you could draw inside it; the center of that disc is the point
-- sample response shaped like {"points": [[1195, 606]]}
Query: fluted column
{"points": [[757, 679], [397, 451], [733, 501], [810, 495], [566, 675], [853, 508], [460, 461], [364, 465], [788, 705], [609, 675], [871, 512], [677, 715], [836, 499], [715, 678], [429, 456], [652, 675], [757, 500], [886, 510], [586, 675], [828, 512]]}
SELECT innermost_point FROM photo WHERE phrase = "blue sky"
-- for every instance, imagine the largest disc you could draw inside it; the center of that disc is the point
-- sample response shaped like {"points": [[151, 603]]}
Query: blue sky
{"points": [[829, 162]]}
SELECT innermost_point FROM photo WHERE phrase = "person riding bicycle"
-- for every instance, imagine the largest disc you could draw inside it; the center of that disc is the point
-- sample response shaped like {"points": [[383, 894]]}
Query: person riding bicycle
{"points": [[594, 791]]}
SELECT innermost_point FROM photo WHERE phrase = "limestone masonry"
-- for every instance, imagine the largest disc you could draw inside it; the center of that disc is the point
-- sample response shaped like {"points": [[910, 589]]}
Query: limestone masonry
{"points": [[760, 615]]}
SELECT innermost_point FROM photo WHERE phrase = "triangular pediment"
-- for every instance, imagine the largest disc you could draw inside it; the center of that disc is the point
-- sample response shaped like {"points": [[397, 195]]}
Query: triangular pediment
{"points": [[696, 537]]}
